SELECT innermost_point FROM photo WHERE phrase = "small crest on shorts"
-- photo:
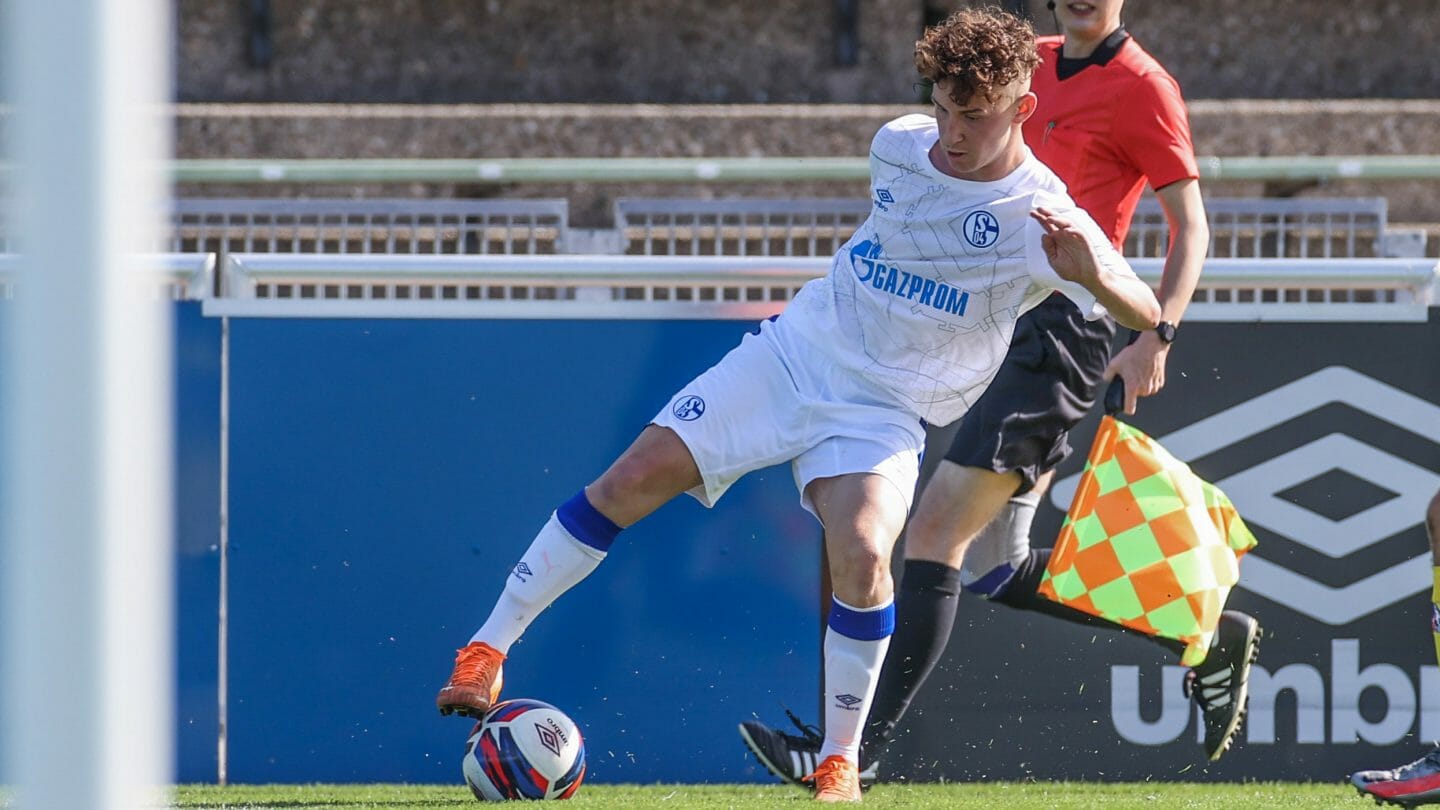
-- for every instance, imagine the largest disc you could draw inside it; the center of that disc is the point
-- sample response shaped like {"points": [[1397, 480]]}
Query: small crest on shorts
{"points": [[982, 229], [688, 409]]}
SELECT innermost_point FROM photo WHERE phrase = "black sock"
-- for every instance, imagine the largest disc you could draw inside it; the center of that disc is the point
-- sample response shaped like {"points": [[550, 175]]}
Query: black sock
{"points": [[1022, 592], [924, 615]]}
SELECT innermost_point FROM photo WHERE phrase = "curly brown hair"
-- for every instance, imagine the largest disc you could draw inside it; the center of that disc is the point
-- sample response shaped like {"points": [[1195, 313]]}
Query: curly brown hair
{"points": [[980, 51]]}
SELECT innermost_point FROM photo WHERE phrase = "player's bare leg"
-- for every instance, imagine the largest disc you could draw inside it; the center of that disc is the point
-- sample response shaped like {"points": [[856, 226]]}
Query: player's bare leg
{"points": [[655, 468], [650, 473], [863, 515], [957, 503]]}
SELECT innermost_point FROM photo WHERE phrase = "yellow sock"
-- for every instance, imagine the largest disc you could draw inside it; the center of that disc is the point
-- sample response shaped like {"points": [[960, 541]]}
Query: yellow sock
{"points": [[1435, 612]]}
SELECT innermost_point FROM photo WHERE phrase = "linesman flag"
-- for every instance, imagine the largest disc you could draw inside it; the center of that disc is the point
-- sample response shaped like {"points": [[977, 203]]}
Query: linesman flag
{"points": [[1147, 543]]}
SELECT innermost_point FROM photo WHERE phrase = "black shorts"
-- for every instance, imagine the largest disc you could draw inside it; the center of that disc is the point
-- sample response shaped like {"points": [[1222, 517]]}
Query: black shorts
{"points": [[1046, 384]]}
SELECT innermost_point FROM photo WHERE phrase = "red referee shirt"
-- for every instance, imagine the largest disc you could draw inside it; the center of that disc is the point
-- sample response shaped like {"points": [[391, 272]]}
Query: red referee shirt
{"points": [[1109, 129]]}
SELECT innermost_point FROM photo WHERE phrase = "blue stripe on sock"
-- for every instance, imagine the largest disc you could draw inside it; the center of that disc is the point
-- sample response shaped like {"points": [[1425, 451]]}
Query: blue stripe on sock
{"points": [[863, 625], [993, 584], [586, 524]]}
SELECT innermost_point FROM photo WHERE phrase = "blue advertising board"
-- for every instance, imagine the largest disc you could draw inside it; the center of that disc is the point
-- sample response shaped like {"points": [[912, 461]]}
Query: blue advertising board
{"points": [[197, 536], [1326, 436], [386, 474]]}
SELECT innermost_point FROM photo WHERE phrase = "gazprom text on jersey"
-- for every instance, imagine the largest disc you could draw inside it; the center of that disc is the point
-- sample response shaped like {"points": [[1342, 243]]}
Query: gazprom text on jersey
{"points": [[902, 283]]}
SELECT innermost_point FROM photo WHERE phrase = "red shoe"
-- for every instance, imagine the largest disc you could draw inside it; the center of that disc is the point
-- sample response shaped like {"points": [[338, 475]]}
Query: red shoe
{"points": [[475, 683], [836, 780], [1408, 785]]}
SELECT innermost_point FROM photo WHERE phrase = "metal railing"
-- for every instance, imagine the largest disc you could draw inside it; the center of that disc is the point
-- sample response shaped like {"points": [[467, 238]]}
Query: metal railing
{"points": [[750, 287], [741, 227], [1299, 228], [170, 276], [1239, 227], [1317, 168], [1351, 227], [369, 226]]}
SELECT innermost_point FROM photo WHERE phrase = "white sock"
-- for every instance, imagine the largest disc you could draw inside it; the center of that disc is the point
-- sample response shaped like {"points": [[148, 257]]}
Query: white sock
{"points": [[852, 669], [553, 564]]}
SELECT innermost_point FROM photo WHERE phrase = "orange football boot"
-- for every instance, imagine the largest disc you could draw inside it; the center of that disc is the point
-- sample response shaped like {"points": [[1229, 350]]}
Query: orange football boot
{"points": [[836, 780], [475, 683]]}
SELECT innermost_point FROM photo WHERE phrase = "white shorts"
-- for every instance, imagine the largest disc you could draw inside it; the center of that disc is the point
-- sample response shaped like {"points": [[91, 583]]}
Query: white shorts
{"points": [[758, 407]]}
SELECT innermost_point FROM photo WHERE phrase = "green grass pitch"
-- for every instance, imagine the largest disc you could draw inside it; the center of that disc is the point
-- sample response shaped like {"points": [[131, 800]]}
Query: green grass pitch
{"points": [[1008, 795]]}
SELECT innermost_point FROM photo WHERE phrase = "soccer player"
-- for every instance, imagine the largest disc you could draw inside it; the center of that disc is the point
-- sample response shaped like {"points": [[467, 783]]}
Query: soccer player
{"points": [[1109, 119], [968, 230], [1419, 782]]}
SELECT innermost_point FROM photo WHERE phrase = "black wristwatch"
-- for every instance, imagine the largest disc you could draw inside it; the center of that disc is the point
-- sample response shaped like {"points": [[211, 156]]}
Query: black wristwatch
{"points": [[1166, 331]]}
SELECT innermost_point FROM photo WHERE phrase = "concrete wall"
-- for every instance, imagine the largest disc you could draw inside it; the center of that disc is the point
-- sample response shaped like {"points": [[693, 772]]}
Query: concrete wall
{"points": [[755, 51], [1224, 128]]}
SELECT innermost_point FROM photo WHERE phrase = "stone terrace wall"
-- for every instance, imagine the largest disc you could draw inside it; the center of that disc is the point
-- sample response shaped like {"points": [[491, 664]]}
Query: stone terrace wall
{"points": [[1223, 128], [758, 51]]}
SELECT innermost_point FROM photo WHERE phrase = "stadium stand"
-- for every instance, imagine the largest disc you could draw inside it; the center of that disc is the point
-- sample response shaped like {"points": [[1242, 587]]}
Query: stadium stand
{"points": [[1301, 229], [368, 226], [379, 80]]}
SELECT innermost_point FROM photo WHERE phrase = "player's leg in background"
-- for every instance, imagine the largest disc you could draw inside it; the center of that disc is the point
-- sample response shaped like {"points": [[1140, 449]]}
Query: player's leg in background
{"points": [[956, 504], [572, 543], [862, 515], [1419, 781], [956, 501]]}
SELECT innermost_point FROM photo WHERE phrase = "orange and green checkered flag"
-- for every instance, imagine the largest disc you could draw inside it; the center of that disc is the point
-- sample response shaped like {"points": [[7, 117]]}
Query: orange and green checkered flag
{"points": [[1147, 543]]}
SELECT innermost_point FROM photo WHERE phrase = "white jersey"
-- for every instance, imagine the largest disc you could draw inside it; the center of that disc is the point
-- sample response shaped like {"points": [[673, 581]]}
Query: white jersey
{"points": [[923, 299]]}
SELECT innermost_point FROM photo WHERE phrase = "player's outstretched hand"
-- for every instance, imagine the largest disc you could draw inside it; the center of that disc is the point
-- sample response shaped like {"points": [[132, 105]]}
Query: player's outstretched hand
{"points": [[1128, 299], [1066, 247]]}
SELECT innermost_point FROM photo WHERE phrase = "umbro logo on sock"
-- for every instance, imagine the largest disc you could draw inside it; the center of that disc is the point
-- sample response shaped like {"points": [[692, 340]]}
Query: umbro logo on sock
{"points": [[848, 702], [522, 570]]}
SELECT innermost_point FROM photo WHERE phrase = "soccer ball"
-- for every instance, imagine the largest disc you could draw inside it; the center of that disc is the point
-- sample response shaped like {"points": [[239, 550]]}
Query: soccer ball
{"points": [[524, 749]]}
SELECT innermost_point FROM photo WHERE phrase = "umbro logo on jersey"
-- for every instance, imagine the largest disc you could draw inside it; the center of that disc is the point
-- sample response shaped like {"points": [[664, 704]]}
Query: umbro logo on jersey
{"points": [[883, 197], [982, 229], [688, 409]]}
